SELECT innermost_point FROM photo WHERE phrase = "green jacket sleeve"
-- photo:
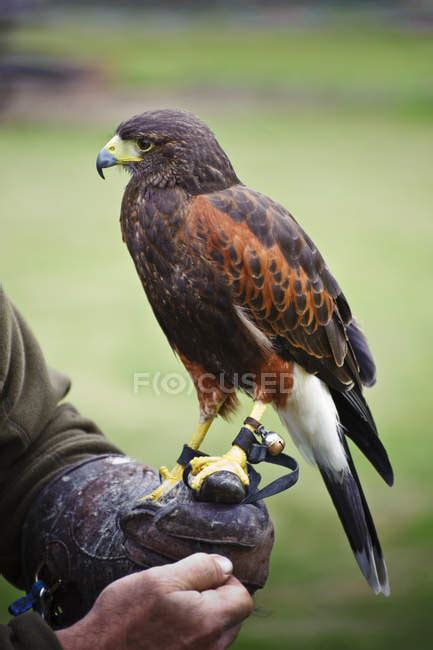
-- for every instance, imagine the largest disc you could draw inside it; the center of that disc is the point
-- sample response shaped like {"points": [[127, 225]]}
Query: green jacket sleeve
{"points": [[38, 437], [28, 632]]}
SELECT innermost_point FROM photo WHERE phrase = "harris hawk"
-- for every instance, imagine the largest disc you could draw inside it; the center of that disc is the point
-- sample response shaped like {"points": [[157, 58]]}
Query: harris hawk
{"points": [[246, 300]]}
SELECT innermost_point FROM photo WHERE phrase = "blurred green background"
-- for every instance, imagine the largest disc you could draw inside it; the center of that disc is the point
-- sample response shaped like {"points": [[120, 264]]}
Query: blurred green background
{"points": [[330, 112]]}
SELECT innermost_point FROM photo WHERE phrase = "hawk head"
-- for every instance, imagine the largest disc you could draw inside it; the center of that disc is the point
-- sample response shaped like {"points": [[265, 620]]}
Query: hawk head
{"points": [[165, 148]]}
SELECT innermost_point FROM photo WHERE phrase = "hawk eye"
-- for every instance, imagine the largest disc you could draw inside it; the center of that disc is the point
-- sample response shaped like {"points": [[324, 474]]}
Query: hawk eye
{"points": [[144, 145]]}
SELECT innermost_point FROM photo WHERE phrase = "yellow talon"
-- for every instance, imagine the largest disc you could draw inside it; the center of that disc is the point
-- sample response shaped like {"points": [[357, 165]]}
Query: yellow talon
{"points": [[165, 473], [234, 461], [170, 479]]}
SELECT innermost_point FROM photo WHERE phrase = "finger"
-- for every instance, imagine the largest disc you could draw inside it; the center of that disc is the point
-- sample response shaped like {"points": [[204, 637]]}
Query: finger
{"points": [[231, 603], [227, 637], [197, 572]]}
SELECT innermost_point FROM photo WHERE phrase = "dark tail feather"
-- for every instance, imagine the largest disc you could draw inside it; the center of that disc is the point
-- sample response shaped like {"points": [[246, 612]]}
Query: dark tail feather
{"points": [[377, 549], [349, 500], [357, 421]]}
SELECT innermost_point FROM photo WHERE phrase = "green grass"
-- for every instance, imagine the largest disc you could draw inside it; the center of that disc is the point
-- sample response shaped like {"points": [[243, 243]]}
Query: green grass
{"points": [[359, 181], [363, 65]]}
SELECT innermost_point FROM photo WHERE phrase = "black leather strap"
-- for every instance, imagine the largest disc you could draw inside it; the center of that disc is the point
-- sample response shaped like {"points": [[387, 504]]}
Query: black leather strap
{"points": [[278, 485], [187, 454], [256, 453], [245, 440]]}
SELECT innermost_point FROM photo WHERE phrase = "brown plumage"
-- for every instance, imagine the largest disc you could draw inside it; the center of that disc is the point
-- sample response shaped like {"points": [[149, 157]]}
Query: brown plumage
{"points": [[241, 291]]}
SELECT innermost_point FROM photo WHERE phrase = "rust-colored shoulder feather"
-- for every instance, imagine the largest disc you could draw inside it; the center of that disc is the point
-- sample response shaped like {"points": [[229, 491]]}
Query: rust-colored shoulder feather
{"points": [[278, 277]]}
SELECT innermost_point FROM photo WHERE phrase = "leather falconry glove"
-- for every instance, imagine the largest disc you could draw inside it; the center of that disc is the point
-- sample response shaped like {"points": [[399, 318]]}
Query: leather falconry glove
{"points": [[81, 534]]}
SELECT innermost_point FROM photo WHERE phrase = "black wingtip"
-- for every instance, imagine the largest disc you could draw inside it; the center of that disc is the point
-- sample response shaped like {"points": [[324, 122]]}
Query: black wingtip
{"points": [[358, 424], [389, 476], [376, 453]]}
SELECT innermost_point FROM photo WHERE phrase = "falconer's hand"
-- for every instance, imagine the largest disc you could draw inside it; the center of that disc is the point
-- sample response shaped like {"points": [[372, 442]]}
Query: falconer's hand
{"points": [[194, 603]]}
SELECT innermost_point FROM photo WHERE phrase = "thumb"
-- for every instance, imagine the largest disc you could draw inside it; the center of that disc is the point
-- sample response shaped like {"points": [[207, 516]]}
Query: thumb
{"points": [[197, 572]]}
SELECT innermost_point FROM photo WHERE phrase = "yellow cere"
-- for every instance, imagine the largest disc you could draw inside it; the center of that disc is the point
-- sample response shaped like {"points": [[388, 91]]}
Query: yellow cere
{"points": [[123, 150]]}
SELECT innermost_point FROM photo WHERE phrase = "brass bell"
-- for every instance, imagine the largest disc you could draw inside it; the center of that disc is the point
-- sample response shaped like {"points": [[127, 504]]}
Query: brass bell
{"points": [[273, 442]]}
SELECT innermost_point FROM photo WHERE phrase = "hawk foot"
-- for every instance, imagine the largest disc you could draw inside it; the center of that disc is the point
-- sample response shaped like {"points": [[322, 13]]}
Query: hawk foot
{"points": [[220, 479], [169, 480]]}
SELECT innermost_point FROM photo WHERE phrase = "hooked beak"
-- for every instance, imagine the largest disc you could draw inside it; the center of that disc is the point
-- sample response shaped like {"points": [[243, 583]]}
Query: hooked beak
{"points": [[104, 159], [117, 152]]}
